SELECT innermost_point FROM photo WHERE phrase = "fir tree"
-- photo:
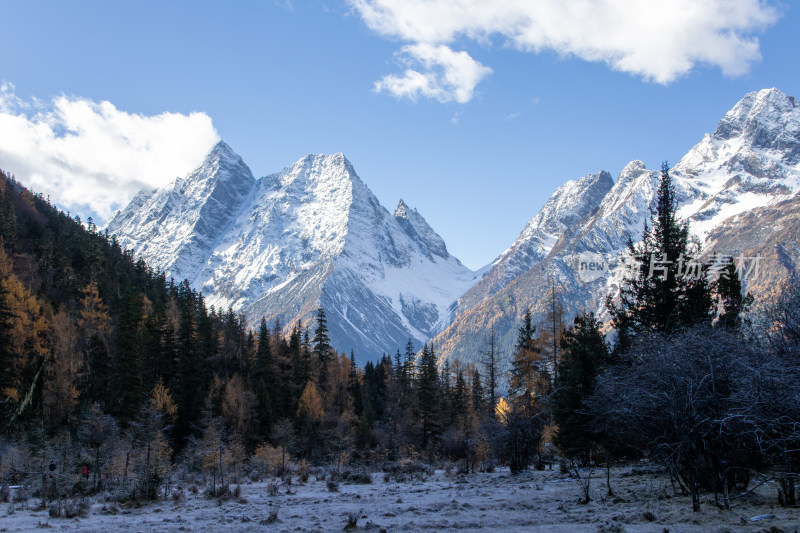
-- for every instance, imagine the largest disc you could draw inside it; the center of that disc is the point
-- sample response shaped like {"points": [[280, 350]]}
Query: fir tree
{"points": [[128, 357], [428, 393], [528, 384], [491, 364], [355, 387], [322, 347], [190, 381], [731, 303], [6, 353], [584, 351], [263, 379], [667, 286], [528, 380], [460, 397], [478, 394]]}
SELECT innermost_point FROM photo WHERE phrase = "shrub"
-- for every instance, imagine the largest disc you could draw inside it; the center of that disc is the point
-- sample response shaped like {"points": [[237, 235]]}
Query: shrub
{"points": [[79, 508], [407, 469], [352, 520], [360, 477]]}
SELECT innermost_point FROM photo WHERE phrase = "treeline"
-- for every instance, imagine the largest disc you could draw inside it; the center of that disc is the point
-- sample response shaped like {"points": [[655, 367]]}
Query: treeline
{"points": [[696, 380], [106, 363]]}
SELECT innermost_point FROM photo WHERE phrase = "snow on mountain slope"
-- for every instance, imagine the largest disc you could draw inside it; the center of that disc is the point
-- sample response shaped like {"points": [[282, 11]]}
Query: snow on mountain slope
{"points": [[312, 234], [751, 160], [750, 165], [570, 204], [175, 227]]}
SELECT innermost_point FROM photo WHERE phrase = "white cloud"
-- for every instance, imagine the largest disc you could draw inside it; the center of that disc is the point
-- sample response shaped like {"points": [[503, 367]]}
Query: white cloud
{"points": [[92, 158], [658, 41], [446, 75]]}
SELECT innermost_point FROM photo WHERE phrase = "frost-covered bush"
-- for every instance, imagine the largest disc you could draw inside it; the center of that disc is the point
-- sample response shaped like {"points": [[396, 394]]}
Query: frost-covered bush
{"points": [[407, 470]]}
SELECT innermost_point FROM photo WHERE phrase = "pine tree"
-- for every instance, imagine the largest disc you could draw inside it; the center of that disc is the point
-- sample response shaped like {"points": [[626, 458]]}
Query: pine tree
{"points": [[322, 347], [491, 364], [263, 379], [584, 352], [128, 357], [190, 381], [662, 292], [731, 301], [428, 393], [555, 328], [6, 353], [528, 379], [460, 397], [478, 394], [355, 387], [524, 422]]}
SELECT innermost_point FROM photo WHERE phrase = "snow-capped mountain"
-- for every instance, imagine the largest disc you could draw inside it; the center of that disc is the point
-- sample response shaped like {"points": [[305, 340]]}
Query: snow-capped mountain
{"points": [[310, 235], [737, 187], [176, 227], [314, 234], [570, 204]]}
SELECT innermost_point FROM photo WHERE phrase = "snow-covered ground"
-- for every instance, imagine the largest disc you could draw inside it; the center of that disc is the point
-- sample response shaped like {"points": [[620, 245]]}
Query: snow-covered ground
{"points": [[534, 501]]}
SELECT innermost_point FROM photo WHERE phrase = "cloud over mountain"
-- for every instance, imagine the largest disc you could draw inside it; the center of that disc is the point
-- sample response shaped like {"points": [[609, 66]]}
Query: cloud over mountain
{"points": [[92, 157]]}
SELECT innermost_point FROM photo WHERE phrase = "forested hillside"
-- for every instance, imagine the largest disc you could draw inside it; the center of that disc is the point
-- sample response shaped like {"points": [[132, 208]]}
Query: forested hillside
{"points": [[110, 368], [105, 360]]}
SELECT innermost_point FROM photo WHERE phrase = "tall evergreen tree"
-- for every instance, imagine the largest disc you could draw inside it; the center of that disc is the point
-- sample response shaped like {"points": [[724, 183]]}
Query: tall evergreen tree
{"points": [[6, 353], [490, 360], [584, 352], [459, 396], [322, 347], [732, 303], [478, 393], [555, 327], [428, 393], [190, 381], [528, 378], [263, 379], [128, 357], [667, 286], [355, 387]]}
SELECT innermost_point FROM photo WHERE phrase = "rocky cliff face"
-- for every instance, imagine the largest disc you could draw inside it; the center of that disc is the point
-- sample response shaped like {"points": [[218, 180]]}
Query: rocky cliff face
{"points": [[737, 187], [310, 235], [314, 234]]}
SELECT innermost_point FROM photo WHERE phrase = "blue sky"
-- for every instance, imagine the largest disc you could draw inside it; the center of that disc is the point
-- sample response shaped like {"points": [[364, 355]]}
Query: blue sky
{"points": [[471, 112]]}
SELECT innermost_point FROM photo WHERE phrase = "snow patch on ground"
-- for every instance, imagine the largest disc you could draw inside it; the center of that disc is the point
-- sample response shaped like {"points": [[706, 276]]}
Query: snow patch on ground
{"points": [[545, 501]]}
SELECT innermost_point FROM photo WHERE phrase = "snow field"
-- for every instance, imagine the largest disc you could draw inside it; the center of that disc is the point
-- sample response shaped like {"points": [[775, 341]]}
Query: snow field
{"points": [[545, 501]]}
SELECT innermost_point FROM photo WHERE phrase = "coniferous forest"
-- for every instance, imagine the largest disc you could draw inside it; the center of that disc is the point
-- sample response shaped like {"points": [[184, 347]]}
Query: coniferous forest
{"points": [[111, 369]]}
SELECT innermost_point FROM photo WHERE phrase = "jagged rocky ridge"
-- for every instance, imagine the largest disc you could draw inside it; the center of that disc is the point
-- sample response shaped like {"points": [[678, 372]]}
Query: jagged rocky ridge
{"points": [[280, 246], [737, 187], [314, 234]]}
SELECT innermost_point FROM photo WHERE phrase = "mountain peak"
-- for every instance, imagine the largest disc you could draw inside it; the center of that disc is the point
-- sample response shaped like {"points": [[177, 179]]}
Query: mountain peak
{"points": [[766, 119], [419, 230], [634, 166], [402, 209], [222, 155]]}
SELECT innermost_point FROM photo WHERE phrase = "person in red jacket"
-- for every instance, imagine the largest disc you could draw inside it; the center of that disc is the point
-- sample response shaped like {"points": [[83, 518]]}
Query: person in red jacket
{"points": [[85, 471]]}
